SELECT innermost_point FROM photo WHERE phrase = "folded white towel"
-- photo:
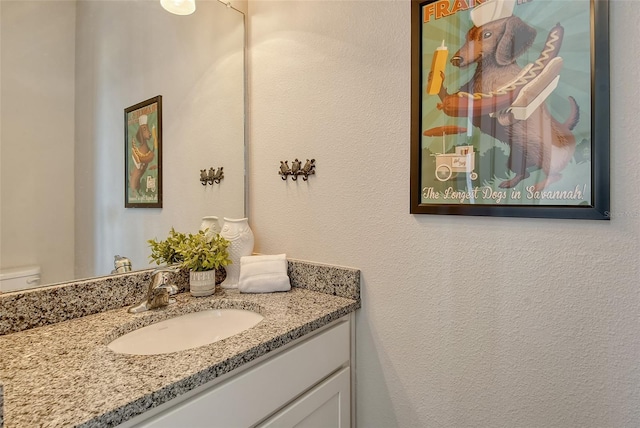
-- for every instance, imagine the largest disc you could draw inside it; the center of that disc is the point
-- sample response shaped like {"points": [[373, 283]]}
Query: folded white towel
{"points": [[263, 274]]}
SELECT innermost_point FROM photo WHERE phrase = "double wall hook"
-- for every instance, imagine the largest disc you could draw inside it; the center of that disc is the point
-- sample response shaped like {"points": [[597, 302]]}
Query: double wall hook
{"points": [[213, 176], [297, 169]]}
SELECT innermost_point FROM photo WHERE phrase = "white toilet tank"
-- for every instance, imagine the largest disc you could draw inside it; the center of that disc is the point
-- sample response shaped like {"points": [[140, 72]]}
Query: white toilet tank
{"points": [[19, 278]]}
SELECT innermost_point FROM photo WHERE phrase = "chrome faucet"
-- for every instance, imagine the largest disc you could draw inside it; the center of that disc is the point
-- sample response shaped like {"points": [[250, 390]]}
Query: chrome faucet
{"points": [[158, 292]]}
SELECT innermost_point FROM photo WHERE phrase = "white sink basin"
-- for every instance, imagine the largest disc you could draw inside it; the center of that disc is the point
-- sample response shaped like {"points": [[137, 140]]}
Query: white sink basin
{"points": [[185, 332]]}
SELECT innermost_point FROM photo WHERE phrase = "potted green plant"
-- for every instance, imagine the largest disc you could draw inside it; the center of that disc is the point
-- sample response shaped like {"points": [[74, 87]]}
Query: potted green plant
{"points": [[201, 254], [166, 251], [197, 253]]}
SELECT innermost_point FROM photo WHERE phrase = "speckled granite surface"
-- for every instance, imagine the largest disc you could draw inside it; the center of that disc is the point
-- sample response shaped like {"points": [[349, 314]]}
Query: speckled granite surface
{"points": [[35, 308], [63, 374], [334, 280], [22, 310], [1, 407]]}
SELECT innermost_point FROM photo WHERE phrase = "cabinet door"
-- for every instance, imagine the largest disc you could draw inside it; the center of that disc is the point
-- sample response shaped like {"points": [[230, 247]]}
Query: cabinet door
{"points": [[328, 405]]}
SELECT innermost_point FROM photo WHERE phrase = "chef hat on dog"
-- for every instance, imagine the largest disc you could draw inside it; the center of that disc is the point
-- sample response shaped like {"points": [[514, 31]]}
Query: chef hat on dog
{"points": [[492, 10], [142, 120]]}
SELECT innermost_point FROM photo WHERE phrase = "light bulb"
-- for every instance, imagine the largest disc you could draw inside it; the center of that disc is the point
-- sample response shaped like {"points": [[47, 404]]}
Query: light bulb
{"points": [[179, 7]]}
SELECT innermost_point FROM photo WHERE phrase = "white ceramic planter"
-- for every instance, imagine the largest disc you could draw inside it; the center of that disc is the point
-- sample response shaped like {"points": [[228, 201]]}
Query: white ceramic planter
{"points": [[211, 225], [240, 237], [202, 283]]}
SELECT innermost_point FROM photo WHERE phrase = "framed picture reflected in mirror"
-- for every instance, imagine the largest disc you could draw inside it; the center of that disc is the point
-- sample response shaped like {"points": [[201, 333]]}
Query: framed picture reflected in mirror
{"points": [[143, 154]]}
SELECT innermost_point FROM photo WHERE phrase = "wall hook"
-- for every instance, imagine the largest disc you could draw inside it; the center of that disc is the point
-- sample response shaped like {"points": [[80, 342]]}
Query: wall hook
{"points": [[216, 176], [213, 176], [308, 169], [297, 169], [284, 169]]}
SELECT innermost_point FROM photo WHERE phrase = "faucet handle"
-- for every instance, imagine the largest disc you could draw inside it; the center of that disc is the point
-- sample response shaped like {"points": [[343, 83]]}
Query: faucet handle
{"points": [[157, 276], [173, 269], [158, 291]]}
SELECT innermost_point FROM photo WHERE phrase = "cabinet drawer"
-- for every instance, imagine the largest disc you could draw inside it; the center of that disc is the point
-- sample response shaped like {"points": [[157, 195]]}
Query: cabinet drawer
{"points": [[328, 405], [249, 397]]}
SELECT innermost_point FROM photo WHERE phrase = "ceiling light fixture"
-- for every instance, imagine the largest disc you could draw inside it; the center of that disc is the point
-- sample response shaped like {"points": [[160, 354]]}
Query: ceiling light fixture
{"points": [[179, 7]]}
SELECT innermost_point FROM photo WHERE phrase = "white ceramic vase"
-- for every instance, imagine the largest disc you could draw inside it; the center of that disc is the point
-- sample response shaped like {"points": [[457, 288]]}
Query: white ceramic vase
{"points": [[211, 225], [202, 283], [240, 237]]}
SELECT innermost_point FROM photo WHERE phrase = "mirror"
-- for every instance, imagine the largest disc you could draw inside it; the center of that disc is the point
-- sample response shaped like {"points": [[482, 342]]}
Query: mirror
{"points": [[68, 70]]}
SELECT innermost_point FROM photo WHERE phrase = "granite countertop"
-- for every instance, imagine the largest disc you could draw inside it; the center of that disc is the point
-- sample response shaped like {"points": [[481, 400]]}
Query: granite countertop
{"points": [[63, 374]]}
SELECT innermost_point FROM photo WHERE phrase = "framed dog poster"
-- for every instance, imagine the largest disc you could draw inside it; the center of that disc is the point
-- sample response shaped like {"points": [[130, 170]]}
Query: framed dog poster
{"points": [[143, 154], [510, 108]]}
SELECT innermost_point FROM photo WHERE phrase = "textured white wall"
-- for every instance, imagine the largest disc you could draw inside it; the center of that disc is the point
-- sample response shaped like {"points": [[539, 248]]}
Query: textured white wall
{"points": [[466, 322]]}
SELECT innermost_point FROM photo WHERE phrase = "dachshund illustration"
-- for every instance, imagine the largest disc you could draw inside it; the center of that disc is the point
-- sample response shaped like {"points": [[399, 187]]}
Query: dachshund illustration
{"points": [[539, 141], [141, 153]]}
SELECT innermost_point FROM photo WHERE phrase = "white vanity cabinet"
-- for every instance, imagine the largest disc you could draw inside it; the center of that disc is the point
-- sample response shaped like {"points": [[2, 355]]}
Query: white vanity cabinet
{"points": [[306, 384]]}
